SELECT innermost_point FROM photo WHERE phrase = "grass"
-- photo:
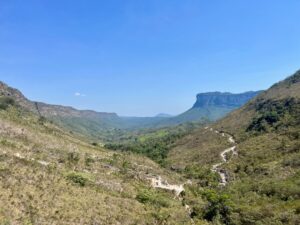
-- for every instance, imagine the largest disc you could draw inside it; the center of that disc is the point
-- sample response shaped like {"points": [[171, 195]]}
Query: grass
{"points": [[148, 196], [48, 176]]}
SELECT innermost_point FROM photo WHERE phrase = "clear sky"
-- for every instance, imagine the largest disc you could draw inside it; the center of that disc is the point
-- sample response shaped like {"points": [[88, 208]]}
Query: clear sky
{"points": [[143, 57]]}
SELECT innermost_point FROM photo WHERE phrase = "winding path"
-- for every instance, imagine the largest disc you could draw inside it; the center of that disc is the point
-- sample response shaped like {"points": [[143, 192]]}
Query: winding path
{"points": [[217, 167], [158, 182]]}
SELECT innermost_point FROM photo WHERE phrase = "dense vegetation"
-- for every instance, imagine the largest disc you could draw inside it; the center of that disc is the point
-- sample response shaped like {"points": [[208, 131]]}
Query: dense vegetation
{"points": [[268, 169], [154, 144], [278, 114]]}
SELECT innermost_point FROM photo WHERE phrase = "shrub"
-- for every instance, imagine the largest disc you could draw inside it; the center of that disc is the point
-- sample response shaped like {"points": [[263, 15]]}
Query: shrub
{"points": [[219, 206], [42, 120], [146, 196], [125, 166], [5, 102], [205, 176], [78, 178], [284, 190], [161, 217], [95, 144], [292, 162], [88, 160], [73, 157]]}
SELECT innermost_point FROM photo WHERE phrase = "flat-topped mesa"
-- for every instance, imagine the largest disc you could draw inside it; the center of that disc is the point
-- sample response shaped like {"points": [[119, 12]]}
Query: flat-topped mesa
{"points": [[224, 99], [212, 106]]}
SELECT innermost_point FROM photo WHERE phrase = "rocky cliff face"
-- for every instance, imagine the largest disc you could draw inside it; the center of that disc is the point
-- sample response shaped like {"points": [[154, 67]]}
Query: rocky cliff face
{"points": [[226, 99], [215, 105]]}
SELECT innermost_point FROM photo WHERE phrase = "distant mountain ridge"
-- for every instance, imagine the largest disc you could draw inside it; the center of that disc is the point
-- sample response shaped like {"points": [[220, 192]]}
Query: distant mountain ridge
{"points": [[102, 125], [164, 115], [223, 99], [48, 110]]}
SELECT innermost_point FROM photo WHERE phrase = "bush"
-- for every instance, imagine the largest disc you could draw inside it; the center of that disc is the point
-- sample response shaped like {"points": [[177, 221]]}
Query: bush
{"points": [[282, 190], [125, 166], [146, 196], [5, 102], [73, 157], [42, 120], [292, 162], [219, 206], [78, 178], [88, 160], [161, 217], [95, 144], [204, 175]]}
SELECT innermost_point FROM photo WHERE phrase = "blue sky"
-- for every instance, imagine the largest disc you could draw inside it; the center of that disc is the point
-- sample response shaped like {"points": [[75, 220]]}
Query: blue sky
{"points": [[141, 57]]}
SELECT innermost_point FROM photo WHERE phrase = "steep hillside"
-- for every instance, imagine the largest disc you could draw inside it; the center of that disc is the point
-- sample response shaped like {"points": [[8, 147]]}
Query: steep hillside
{"points": [[263, 174], [48, 176], [96, 125]]}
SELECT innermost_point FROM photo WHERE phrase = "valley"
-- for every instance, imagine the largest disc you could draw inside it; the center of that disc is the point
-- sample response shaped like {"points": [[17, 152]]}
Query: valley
{"points": [[241, 169], [143, 112]]}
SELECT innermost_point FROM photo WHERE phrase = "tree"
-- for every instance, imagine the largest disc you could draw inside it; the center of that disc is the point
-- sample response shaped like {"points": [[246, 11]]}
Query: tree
{"points": [[219, 206]]}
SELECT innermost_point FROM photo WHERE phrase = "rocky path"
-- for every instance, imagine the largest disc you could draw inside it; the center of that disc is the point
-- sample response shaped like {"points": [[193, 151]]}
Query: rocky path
{"points": [[158, 182], [217, 167]]}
